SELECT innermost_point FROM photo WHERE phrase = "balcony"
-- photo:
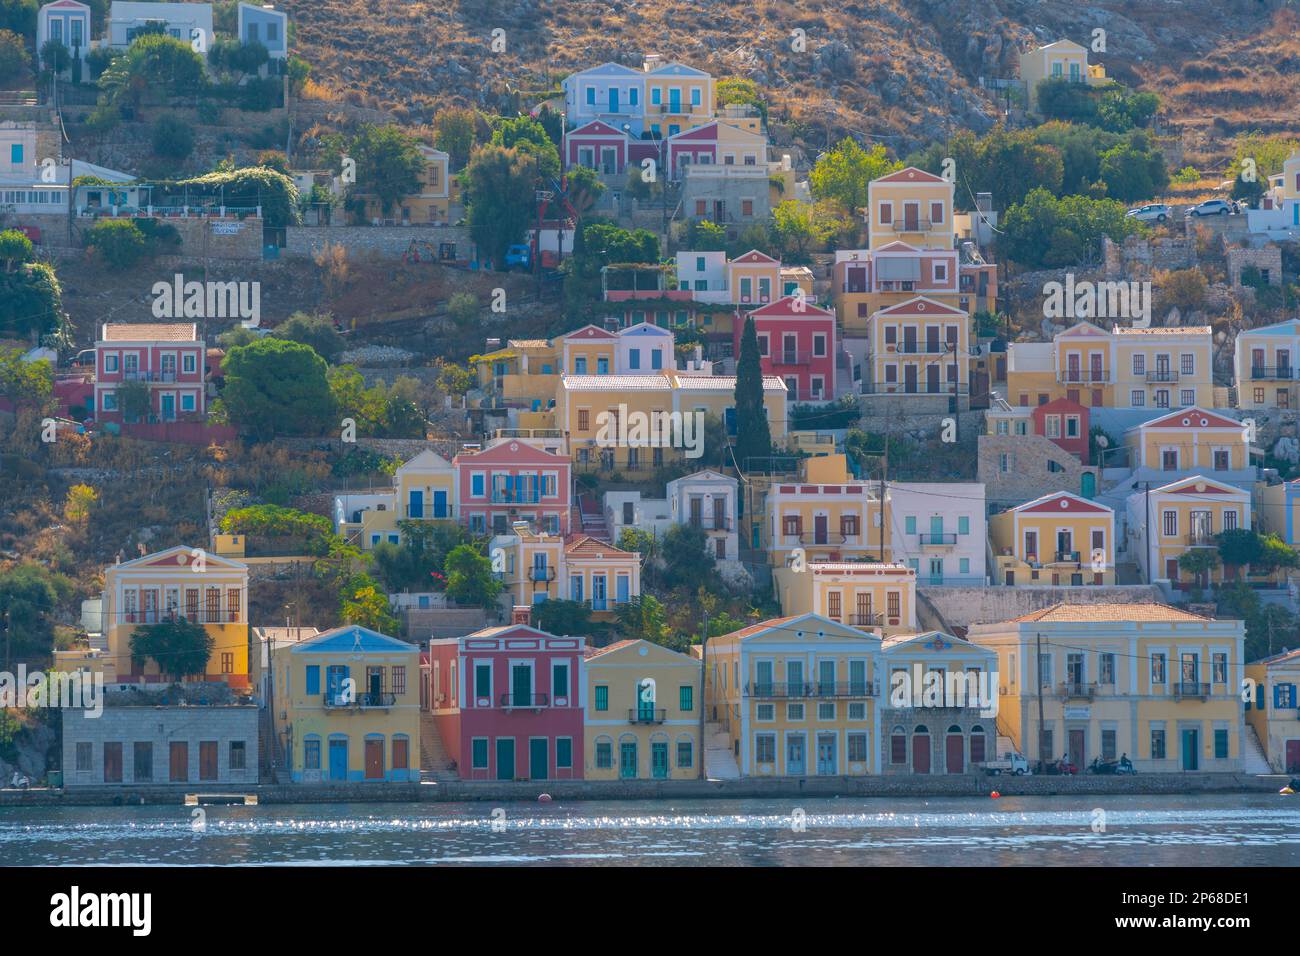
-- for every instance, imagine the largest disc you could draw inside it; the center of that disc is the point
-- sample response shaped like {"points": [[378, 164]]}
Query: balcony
{"points": [[715, 523], [823, 690], [941, 540], [500, 497], [1074, 690], [1200, 539], [1067, 557], [525, 701], [1080, 376], [196, 616], [540, 574], [1191, 690], [900, 226], [1162, 375], [1269, 373], [646, 715], [923, 348], [866, 620], [785, 358], [151, 376], [916, 388], [337, 700]]}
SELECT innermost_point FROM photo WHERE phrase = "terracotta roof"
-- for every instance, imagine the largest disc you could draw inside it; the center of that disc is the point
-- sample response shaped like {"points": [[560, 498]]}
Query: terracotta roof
{"points": [[151, 332], [598, 651], [581, 544], [1174, 330], [527, 343], [1082, 613], [1279, 658], [771, 383], [616, 383], [761, 626]]}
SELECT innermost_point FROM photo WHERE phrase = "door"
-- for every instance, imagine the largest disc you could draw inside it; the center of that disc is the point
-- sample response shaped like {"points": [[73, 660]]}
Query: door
{"points": [[1031, 545], [674, 101], [415, 509], [659, 760], [794, 756], [505, 758], [338, 759], [936, 571], [932, 379], [826, 755], [167, 404], [1191, 749], [521, 685], [207, 760], [911, 217], [909, 378], [1072, 367], [920, 753], [627, 760], [440, 504], [538, 758], [599, 596], [113, 762], [613, 99], [1293, 756], [1078, 755], [955, 750], [1094, 363], [374, 759], [178, 760], [819, 529], [1088, 484]]}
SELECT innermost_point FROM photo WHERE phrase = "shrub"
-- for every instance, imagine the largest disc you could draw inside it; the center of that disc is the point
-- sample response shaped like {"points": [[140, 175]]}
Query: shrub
{"points": [[172, 137], [118, 242], [13, 56]]}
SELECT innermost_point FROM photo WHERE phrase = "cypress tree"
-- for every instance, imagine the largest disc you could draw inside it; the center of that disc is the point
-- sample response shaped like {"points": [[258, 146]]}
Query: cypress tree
{"points": [[753, 435]]}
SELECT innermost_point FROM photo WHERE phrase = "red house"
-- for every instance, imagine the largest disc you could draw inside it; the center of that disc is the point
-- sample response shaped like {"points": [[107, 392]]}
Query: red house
{"points": [[597, 146], [1065, 423], [513, 481], [796, 340], [508, 702], [167, 357]]}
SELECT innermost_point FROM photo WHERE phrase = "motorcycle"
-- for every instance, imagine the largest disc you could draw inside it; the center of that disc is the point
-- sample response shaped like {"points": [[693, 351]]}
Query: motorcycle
{"points": [[1113, 767], [20, 781]]}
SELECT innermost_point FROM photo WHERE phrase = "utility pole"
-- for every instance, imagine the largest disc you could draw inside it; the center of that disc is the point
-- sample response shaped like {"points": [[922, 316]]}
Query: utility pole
{"points": [[704, 671], [1146, 504], [4, 622], [1042, 730]]}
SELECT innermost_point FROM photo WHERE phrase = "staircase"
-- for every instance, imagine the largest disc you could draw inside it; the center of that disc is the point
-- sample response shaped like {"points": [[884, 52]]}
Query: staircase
{"points": [[434, 762], [1253, 759], [592, 517], [719, 757]]}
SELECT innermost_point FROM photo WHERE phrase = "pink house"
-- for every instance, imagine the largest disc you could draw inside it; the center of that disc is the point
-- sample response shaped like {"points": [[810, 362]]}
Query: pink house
{"points": [[167, 357], [597, 146], [697, 146], [796, 340], [513, 481], [508, 702]]}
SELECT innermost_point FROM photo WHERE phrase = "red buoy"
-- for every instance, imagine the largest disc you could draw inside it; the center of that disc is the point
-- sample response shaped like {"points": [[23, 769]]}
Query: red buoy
{"points": [[995, 794]]}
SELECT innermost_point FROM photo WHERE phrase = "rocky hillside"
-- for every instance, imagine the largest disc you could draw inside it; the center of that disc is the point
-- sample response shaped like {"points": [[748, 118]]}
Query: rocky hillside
{"points": [[903, 71]]}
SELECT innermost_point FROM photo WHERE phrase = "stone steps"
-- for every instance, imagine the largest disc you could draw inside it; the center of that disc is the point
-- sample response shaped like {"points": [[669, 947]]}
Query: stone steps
{"points": [[435, 764]]}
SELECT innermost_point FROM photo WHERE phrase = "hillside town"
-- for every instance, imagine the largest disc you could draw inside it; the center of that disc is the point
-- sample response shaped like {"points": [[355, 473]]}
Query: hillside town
{"points": [[627, 436]]}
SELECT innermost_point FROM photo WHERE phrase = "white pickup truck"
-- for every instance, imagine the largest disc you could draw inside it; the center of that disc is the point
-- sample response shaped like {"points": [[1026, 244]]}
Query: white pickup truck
{"points": [[1010, 762]]}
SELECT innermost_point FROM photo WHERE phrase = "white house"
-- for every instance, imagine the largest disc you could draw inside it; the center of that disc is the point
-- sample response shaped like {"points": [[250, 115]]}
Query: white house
{"points": [[68, 22], [643, 348], [707, 499], [29, 190], [265, 25], [1279, 215], [938, 529], [611, 93], [704, 274], [1169, 521], [127, 19]]}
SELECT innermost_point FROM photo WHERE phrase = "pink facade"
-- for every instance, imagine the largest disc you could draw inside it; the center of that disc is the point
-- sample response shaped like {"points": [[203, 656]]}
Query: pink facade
{"points": [[509, 702], [597, 146], [697, 146], [1076, 443], [513, 481], [169, 358], [796, 340]]}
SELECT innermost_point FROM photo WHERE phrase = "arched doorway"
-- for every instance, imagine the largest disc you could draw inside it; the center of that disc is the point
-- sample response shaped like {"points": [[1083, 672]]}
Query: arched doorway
{"points": [[921, 749], [955, 750], [1088, 484]]}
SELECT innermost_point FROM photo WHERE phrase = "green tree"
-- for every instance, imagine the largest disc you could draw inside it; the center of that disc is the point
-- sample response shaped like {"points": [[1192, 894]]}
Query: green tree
{"points": [[15, 250], [155, 64], [470, 580], [1239, 547], [742, 91], [180, 648], [464, 309], [753, 433], [24, 382], [19, 16], [1133, 171], [31, 302], [389, 163], [365, 406], [455, 131], [1274, 555], [30, 599], [686, 560], [55, 56], [584, 188], [313, 329], [643, 618], [120, 243], [705, 236], [172, 137], [568, 618], [250, 186], [799, 228], [363, 603], [274, 387], [528, 137], [1044, 231], [499, 194], [1199, 562], [14, 60], [845, 172], [135, 401]]}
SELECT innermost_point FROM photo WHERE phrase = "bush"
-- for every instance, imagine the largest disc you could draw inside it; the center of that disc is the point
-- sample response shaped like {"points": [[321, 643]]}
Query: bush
{"points": [[13, 56], [172, 137], [118, 242]]}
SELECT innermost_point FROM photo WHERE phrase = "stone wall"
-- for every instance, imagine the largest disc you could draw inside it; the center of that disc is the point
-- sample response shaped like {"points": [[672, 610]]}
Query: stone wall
{"points": [[385, 242], [220, 238], [1266, 260], [1139, 258], [1028, 476], [425, 623], [962, 607]]}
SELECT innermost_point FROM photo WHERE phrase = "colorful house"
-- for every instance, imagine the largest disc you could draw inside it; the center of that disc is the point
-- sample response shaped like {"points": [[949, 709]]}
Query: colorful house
{"points": [[1151, 682], [128, 19], [642, 713], [824, 516], [430, 206], [1265, 359], [178, 583], [939, 705], [508, 702], [513, 481], [796, 343], [265, 25], [910, 206], [1059, 539], [424, 489], [938, 529], [1279, 510], [1167, 522], [797, 696], [598, 145], [1191, 440], [347, 707], [540, 567], [167, 358], [715, 144], [919, 347], [1062, 60], [610, 94], [1272, 709], [878, 598], [677, 97], [67, 22]]}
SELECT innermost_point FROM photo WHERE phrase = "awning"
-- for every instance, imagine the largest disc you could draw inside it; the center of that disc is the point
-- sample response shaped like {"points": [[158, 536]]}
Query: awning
{"points": [[898, 270]]}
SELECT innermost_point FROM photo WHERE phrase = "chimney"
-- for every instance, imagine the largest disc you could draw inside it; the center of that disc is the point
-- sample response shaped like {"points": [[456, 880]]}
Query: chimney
{"points": [[651, 62], [521, 614]]}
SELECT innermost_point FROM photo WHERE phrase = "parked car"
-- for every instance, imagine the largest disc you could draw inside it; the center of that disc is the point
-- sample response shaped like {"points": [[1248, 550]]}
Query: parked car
{"points": [[1151, 212], [1211, 207], [83, 359], [519, 256], [1012, 763]]}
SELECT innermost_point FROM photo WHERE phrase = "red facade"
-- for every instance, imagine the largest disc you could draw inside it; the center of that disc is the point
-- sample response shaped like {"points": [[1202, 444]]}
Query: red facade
{"points": [[1071, 437], [800, 346], [168, 358]]}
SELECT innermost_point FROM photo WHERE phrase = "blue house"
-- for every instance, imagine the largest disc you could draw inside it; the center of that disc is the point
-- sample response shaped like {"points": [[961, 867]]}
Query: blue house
{"points": [[68, 22], [265, 25]]}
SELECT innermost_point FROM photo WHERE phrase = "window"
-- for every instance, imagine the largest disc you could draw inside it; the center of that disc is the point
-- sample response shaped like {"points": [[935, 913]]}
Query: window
{"points": [[479, 753], [794, 712], [109, 401], [1187, 396], [747, 207], [238, 755], [1220, 743], [765, 712], [1139, 364], [1106, 669], [685, 756], [313, 680], [1157, 743], [819, 345], [1157, 668], [898, 746], [963, 524], [857, 744], [110, 363], [401, 752], [826, 711], [560, 681], [604, 755], [686, 697], [891, 604], [602, 697], [909, 524], [143, 762], [311, 753], [1169, 521], [1219, 668], [476, 485], [1138, 398], [84, 757], [16, 154], [399, 679], [188, 402], [564, 753], [483, 681], [765, 748], [1187, 363]]}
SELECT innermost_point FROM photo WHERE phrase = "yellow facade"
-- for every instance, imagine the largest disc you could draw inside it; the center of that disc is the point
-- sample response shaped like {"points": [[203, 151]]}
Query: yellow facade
{"points": [[539, 567], [1058, 540], [1062, 60], [1271, 709], [919, 346], [1147, 681], [797, 697], [430, 206], [590, 351], [643, 714], [347, 707], [678, 98], [524, 373], [424, 489], [823, 516], [1266, 359], [177, 583], [1192, 440], [910, 206], [1184, 516], [880, 598], [754, 279]]}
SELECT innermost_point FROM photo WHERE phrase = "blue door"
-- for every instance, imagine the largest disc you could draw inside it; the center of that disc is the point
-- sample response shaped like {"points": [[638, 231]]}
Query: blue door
{"points": [[598, 596], [674, 101], [440, 504], [168, 407], [622, 589], [416, 507], [538, 758], [1088, 484], [613, 100], [505, 758], [338, 758]]}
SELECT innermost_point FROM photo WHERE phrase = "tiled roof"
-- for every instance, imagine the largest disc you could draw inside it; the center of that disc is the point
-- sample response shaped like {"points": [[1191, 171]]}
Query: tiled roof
{"points": [[616, 383], [1083, 613], [1175, 330], [1279, 658], [527, 343], [580, 544], [762, 626], [598, 651], [771, 383], [151, 332]]}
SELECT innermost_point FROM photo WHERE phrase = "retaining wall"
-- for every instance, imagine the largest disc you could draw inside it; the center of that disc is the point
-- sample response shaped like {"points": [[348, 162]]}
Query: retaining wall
{"points": [[962, 607]]}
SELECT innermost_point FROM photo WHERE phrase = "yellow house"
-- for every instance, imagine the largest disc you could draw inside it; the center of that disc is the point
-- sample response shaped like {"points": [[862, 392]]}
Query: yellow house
{"points": [[1189, 440], [347, 707], [642, 718], [825, 516], [1151, 682], [754, 279], [1058, 540], [590, 351], [637, 423], [539, 567], [179, 583], [424, 489], [678, 97], [1271, 709], [1062, 60], [865, 281], [880, 598], [919, 347], [1167, 522], [524, 374], [1265, 358], [430, 206], [797, 697], [910, 206], [1125, 368], [939, 705]]}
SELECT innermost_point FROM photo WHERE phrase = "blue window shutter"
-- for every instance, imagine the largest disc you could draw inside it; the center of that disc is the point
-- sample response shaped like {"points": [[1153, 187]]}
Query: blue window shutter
{"points": [[313, 679]]}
